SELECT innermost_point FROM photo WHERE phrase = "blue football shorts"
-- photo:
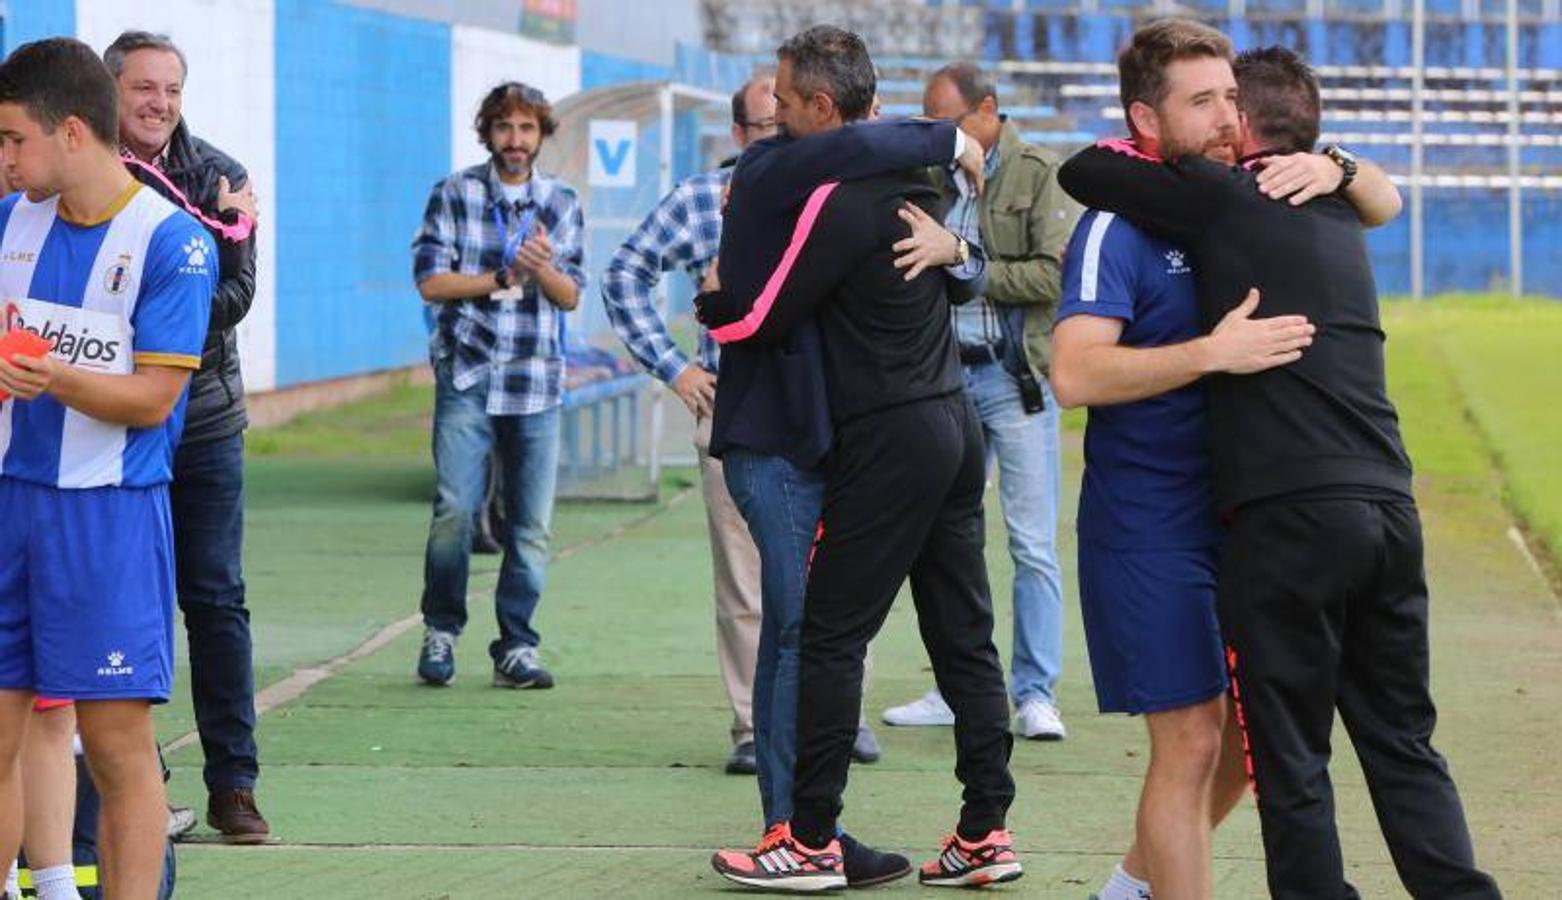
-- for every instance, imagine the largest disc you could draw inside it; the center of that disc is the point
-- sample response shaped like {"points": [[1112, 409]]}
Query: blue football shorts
{"points": [[86, 591], [1150, 626]]}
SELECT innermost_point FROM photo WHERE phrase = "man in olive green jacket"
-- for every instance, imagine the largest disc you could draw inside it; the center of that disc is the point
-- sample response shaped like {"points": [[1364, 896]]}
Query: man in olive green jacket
{"points": [[1022, 220]]}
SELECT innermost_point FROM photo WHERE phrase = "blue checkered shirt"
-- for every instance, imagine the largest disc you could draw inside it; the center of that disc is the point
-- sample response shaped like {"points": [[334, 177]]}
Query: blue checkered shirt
{"points": [[683, 230], [517, 345]]}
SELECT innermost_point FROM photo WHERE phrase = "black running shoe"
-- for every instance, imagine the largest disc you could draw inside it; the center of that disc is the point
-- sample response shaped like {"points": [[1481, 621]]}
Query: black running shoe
{"points": [[866, 866]]}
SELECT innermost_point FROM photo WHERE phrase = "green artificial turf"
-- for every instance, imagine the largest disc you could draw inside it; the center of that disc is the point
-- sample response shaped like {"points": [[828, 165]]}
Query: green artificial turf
{"points": [[611, 784]]}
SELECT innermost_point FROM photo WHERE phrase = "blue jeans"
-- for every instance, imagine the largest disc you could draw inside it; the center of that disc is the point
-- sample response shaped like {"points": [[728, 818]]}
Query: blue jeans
{"points": [[206, 500], [781, 504], [464, 436], [1026, 445]]}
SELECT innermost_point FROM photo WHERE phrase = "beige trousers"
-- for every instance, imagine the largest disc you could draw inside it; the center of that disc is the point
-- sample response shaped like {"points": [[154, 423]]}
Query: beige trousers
{"points": [[735, 565]]}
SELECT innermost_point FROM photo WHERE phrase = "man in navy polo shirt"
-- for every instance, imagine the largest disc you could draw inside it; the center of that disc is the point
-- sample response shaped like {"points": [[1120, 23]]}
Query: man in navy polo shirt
{"points": [[1128, 344]]}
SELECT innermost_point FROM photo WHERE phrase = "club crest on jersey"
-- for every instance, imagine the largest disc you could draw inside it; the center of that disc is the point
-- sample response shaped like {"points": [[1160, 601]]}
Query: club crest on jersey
{"points": [[116, 665], [1176, 263], [195, 252], [117, 279]]}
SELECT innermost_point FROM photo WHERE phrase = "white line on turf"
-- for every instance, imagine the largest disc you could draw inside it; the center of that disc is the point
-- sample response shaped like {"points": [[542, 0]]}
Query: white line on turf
{"points": [[1517, 537], [302, 679]]}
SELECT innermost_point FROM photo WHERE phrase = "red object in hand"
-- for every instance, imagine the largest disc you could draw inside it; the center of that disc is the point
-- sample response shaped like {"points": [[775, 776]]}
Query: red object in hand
{"points": [[21, 342]]}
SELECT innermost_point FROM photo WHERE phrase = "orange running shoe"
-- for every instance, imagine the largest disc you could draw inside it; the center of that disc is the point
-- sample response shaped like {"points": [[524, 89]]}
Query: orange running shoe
{"points": [[961, 863], [780, 863]]}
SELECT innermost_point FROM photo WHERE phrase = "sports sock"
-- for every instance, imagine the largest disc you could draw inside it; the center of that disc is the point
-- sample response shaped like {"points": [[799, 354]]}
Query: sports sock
{"points": [[56, 883], [13, 886], [1123, 886], [971, 839]]}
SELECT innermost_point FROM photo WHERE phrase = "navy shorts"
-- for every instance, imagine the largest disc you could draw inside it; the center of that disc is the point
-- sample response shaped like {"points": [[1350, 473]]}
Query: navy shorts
{"points": [[86, 591], [1150, 624]]}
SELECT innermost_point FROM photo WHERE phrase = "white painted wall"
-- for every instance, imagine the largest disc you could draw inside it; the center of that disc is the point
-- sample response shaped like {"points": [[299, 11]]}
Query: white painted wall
{"points": [[229, 100], [481, 59]]}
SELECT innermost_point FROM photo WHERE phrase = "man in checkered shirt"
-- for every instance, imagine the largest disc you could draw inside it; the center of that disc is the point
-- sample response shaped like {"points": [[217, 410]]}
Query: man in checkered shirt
{"points": [[684, 231], [500, 258]]}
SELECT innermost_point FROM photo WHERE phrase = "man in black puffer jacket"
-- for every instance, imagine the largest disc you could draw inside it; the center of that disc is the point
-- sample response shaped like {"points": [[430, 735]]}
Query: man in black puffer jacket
{"points": [[208, 487]]}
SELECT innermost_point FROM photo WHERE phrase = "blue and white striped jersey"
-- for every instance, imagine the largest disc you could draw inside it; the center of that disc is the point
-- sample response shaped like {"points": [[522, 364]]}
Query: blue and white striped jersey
{"points": [[132, 288]]}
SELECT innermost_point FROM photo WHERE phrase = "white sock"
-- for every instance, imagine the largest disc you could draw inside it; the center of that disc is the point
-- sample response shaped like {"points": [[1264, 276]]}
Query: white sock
{"points": [[56, 883], [1123, 886], [13, 886]]}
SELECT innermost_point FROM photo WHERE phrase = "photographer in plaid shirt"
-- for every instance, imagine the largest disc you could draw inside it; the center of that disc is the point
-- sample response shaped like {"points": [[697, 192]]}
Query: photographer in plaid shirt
{"points": [[500, 258]]}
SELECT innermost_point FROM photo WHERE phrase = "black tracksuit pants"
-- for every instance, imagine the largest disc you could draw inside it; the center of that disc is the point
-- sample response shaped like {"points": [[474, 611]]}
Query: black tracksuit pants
{"points": [[1324, 605], [903, 497]]}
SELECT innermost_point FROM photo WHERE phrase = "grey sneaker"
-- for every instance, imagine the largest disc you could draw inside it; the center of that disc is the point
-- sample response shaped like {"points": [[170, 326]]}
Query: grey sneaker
{"points": [[521, 667], [180, 820], [865, 749], [437, 659]]}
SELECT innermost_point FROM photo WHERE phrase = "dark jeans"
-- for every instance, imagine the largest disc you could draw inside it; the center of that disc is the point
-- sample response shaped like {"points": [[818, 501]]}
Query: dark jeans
{"points": [[1324, 603], [528, 448], [903, 497], [207, 498], [780, 502]]}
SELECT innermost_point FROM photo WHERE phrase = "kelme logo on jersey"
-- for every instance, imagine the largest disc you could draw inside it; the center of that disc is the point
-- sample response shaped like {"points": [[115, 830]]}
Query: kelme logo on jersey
{"points": [[73, 342], [195, 252], [116, 666], [1176, 263]]}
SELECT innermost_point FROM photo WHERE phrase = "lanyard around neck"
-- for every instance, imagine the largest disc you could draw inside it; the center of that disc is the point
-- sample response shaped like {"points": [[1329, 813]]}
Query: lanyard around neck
{"points": [[513, 240]]}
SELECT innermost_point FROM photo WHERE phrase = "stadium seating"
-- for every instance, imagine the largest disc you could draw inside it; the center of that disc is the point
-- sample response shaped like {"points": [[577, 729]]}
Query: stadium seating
{"points": [[1053, 61]]}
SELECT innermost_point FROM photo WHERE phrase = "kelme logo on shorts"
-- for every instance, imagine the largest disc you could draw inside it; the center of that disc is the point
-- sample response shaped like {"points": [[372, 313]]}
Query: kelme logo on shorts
{"points": [[116, 666]]}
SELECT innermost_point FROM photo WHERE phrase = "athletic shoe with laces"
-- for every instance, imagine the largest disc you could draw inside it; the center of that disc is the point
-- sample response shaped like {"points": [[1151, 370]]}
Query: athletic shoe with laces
{"points": [[962, 863], [437, 659], [781, 863], [1039, 721], [521, 667], [928, 709]]}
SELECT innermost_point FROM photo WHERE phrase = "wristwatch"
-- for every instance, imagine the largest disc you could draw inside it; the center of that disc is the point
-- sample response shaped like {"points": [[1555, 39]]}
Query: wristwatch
{"points": [[503, 278], [962, 250], [1345, 160]]}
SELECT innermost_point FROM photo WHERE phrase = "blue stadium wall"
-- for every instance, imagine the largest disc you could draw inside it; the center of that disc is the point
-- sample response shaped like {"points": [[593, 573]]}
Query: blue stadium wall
{"points": [[347, 115]]}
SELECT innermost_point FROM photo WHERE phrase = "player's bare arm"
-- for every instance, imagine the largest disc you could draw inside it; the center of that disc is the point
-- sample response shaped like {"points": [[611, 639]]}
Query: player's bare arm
{"points": [[1090, 368], [143, 399]]}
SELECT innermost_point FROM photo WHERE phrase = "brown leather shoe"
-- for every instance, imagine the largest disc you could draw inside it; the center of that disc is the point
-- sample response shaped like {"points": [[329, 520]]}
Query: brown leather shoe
{"points": [[234, 814]]}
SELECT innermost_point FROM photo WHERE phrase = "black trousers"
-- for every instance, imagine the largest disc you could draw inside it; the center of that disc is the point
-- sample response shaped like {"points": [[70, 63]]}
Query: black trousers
{"points": [[903, 497], [1324, 605]]}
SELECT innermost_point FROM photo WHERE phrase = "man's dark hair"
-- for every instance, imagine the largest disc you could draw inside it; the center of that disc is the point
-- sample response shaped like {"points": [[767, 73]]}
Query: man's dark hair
{"points": [[833, 61], [1278, 92], [509, 97], [131, 41], [970, 81], [57, 78], [1141, 67]]}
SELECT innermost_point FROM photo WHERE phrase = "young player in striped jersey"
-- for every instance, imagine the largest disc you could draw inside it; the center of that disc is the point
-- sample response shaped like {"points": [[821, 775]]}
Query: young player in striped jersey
{"points": [[119, 282]]}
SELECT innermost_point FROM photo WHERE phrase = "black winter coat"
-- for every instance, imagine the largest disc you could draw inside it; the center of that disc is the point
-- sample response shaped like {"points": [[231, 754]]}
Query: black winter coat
{"points": [[216, 406]]}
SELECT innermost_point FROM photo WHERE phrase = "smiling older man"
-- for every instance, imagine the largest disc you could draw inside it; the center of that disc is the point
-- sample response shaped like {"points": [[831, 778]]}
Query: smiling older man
{"points": [[208, 485]]}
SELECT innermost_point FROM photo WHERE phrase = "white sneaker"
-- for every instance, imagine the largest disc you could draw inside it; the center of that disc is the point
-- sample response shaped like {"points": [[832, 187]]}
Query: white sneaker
{"points": [[1039, 721], [928, 709]]}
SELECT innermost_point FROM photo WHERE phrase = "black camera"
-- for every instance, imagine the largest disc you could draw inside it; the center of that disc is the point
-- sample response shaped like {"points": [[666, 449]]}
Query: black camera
{"points": [[1031, 396]]}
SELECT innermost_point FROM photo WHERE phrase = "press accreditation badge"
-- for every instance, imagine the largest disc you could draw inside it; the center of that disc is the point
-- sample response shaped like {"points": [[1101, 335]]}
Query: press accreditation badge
{"points": [[513, 292]]}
